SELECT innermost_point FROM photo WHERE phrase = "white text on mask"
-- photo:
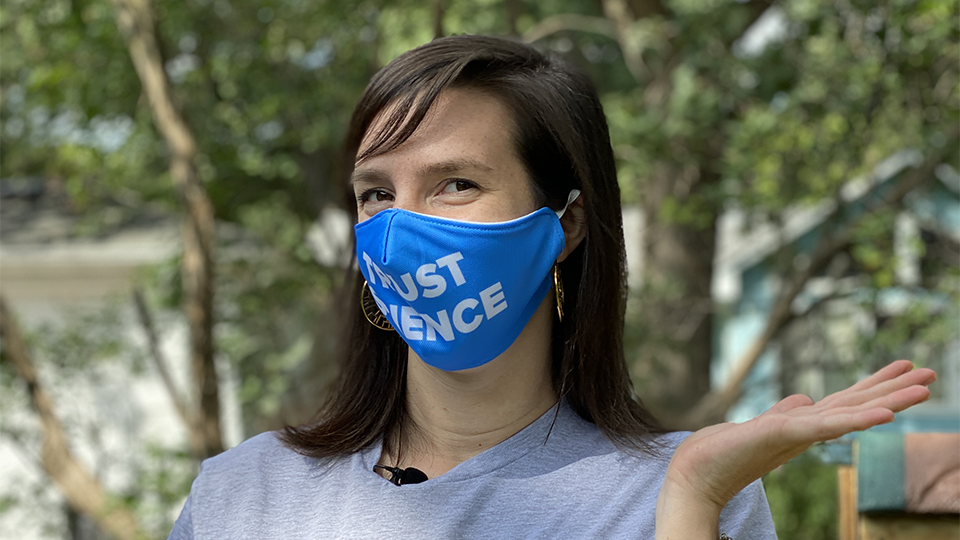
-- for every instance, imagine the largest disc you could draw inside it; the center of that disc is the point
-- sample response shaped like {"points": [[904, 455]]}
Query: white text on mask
{"points": [[415, 326]]}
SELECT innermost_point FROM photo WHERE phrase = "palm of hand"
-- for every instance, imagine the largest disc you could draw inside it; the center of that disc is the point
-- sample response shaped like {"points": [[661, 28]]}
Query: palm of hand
{"points": [[715, 463]]}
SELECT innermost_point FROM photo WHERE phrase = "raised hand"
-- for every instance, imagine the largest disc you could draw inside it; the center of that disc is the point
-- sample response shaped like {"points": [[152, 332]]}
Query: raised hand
{"points": [[715, 463]]}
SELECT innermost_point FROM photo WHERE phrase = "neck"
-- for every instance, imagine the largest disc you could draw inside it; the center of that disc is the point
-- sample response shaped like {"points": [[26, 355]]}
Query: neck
{"points": [[453, 416]]}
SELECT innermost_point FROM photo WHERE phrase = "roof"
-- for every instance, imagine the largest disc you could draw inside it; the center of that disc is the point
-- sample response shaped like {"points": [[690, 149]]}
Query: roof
{"points": [[740, 248]]}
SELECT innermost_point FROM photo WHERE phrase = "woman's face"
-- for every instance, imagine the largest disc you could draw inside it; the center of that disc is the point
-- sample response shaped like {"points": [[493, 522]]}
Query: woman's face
{"points": [[459, 164]]}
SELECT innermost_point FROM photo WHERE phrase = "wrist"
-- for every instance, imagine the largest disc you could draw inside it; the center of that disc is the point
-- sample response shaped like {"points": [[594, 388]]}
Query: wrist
{"points": [[684, 514]]}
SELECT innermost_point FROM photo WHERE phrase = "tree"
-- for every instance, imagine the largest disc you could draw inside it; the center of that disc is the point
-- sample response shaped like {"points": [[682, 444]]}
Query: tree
{"points": [[716, 121], [257, 97], [82, 491], [112, 128], [136, 21]]}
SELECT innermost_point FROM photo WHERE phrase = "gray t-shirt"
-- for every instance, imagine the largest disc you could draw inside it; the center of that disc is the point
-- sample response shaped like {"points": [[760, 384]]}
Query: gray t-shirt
{"points": [[573, 484]]}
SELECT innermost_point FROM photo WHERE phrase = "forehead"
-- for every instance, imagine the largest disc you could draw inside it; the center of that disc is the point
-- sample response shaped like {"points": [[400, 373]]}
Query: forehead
{"points": [[465, 123]]}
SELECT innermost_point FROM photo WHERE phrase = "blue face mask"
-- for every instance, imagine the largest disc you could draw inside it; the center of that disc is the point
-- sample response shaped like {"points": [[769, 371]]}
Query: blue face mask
{"points": [[458, 292]]}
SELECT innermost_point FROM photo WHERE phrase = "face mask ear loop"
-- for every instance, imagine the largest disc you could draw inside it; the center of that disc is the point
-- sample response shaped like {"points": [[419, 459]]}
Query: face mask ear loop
{"points": [[574, 194]]}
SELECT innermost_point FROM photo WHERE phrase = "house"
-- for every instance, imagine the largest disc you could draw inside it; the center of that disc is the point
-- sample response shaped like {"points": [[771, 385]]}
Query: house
{"points": [[746, 282], [899, 480]]}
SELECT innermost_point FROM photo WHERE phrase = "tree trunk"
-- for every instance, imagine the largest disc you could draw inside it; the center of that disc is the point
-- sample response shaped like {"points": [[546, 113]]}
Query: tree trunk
{"points": [[512, 8], [138, 26], [676, 305]]}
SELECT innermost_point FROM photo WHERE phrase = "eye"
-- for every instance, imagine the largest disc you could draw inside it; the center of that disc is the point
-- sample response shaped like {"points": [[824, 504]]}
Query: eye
{"points": [[456, 185], [375, 197]]}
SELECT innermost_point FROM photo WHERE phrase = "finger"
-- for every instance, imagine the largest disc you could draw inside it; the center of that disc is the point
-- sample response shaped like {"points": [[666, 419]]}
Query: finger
{"points": [[839, 421], [900, 400], [838, 425], [808, 429], [890, 371], [791, 402], [854, 396]]}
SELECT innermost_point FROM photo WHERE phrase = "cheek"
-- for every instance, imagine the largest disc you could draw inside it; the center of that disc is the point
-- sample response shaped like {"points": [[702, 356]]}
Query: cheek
{"points": [[512, 205], [528, 197]]}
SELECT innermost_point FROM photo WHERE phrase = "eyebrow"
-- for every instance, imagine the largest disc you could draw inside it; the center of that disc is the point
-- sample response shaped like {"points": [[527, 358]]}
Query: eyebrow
{"points": [[433, 169], [455, 165], [371, 176]]}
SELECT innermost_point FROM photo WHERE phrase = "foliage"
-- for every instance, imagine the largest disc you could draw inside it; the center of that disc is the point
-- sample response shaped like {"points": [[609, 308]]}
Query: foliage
{"points": [[267, 88], [93, 371], [803, 499], [162, 479], [842, 86], [767, 126]]}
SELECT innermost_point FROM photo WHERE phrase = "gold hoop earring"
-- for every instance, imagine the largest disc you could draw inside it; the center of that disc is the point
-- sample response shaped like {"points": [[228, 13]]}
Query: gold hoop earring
{"points": [[558, 290], [370, 310]]}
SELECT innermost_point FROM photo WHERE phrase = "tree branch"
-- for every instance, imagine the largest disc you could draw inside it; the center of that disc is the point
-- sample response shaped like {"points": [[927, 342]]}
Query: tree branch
{"points": [[617, 23], [713, 407], [82, 491], [623, 19], [569, 21], [513, 13], [160, 362], [438, 12], [646, 8], [137, 24]]}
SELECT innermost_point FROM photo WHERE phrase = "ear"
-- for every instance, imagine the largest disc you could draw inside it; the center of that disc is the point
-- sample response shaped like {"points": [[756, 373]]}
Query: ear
{"points": [[574, 223]]}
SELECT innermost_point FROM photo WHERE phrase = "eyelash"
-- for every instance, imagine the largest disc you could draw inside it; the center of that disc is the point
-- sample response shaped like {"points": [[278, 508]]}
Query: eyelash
{"points": [[362, 197], [468, 183]]}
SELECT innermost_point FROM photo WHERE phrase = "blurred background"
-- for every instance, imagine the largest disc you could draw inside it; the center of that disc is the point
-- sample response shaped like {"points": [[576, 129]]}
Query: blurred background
{"points": [[174, 224]]}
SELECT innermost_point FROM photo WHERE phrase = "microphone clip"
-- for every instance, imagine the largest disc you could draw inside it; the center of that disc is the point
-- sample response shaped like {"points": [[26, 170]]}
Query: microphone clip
{"points": [[399, 476]]}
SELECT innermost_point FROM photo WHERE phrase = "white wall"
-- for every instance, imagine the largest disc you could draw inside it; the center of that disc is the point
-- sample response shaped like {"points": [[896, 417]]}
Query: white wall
{"points": [[47, 284]]}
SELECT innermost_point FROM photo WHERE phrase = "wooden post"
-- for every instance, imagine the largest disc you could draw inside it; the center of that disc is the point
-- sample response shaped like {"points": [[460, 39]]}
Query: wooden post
{"points": [[847, 477]]}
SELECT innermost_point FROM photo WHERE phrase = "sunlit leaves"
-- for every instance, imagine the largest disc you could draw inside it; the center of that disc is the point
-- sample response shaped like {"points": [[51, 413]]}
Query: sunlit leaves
{"points": [[849, 107]]}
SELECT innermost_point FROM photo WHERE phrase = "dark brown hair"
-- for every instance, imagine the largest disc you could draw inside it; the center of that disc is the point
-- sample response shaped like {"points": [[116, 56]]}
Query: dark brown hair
{"points": [[561, 137]]}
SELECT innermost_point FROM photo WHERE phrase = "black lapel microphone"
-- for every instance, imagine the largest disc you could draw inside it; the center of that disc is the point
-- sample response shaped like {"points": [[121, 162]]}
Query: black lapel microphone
{"points": [[400, 476]]}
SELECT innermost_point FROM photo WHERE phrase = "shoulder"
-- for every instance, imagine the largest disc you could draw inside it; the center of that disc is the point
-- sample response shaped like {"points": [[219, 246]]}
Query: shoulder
{"points": [[251, 453], [256, 467], [617, 488], [655, 454], [260, 481], [263, 451], [228, 481]]}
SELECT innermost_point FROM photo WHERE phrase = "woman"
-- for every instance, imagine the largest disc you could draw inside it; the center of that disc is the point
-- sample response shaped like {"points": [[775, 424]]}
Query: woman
{"points": [[484, 391]]}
